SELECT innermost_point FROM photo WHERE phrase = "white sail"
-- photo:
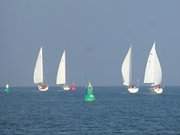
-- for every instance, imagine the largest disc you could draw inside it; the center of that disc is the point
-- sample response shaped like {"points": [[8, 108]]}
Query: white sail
{"points": [[127, 68], [61, 74], [153, 72], [38, 70]]}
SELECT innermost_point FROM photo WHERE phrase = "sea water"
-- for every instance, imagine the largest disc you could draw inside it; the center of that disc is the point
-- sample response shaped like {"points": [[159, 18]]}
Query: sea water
{"points": [[27, 111]]}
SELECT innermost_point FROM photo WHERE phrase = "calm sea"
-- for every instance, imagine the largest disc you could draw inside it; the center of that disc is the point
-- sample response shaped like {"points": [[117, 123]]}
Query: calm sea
{"points": [[26, 111]]}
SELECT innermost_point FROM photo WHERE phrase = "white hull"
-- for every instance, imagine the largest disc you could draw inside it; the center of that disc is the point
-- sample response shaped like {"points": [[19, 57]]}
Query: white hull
{"points": [[7, 86], [158, 90], [66, 88], [42, 88], [133, 90]]}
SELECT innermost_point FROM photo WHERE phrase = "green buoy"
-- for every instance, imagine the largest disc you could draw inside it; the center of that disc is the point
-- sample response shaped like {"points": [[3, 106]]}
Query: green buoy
{"points": [[89, 97]]}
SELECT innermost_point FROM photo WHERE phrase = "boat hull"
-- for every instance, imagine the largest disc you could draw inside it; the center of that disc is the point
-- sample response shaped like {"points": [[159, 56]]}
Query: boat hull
{"points": [[66, 88], [158, 90], [43, 87], [133, 90]]}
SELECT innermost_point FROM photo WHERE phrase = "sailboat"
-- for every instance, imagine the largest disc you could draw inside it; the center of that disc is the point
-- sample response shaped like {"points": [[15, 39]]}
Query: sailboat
{"points": [[126, 70], [153, 71], [38, 73], [89, 97], [61, 73], [73, 87], [7, 90]]}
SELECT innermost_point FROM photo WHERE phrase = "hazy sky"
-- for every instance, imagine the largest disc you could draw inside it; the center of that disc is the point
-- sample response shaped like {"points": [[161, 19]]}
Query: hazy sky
{"points": [[96, 35]]}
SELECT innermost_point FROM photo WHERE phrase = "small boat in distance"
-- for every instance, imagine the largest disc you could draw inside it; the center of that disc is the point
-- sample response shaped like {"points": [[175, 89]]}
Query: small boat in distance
{"points": [[126, 70], [61, 73], [7, 88], [153, 71], [38, 73], [73, 87], [89, 97]]}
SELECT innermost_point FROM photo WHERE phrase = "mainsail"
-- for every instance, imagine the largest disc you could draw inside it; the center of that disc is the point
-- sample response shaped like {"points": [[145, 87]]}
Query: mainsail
{"points": [[61, 74], [127, 68], [38, 70]]}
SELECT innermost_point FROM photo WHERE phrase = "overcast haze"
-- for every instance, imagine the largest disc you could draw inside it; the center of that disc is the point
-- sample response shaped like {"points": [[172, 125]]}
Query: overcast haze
{"points": [[96, 35]]}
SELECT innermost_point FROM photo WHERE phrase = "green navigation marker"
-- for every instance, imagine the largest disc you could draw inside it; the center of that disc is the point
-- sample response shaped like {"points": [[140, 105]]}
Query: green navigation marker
{"points": [[89, 97]]}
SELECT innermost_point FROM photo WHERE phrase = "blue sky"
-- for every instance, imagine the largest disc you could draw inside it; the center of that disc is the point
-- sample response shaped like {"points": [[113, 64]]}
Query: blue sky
{"points": [[96, 35]]}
